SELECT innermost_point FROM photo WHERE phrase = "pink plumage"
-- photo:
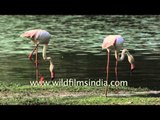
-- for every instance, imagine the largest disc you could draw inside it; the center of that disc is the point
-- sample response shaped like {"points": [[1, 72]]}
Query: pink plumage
{"points": [[112, 41], [115, 43], [38, 35]]}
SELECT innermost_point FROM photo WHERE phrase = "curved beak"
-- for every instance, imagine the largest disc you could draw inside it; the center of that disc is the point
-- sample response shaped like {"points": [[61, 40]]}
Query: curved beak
{"points": [[132, 67], [52, 75]]}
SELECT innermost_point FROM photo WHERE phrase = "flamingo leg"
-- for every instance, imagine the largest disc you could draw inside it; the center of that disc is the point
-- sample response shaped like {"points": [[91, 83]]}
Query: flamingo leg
{"points": [[36, 62], [41, 77], [31, 54], [107, 71], [116, 68]]}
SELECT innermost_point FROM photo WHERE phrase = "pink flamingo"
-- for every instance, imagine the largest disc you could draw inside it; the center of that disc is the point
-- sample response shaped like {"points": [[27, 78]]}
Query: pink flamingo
{"points": [[115, 42], [39, 36]]}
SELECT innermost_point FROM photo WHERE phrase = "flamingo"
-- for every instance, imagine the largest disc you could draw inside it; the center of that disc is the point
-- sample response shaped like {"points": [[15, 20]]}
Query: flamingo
{"points": [[39, 36], [115, 43]]}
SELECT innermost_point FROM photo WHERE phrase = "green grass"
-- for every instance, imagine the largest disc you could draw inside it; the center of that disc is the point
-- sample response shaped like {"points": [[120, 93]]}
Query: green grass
{"points": [[23, 88], [83, 100], [16, 94]]}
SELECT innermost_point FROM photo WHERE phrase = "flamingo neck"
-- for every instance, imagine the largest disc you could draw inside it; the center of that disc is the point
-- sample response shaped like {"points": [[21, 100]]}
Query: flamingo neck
{"points": [[45, 47], [130, 58], [124, 51], [123, 54]]}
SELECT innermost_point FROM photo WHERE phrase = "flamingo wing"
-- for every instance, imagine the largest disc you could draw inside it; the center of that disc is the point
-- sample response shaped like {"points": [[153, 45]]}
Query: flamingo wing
{"points": [[30, 33], [108, 42]]}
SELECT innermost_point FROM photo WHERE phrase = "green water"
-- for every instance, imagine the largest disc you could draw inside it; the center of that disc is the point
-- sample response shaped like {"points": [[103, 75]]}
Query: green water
{"points": [[76, 47]]}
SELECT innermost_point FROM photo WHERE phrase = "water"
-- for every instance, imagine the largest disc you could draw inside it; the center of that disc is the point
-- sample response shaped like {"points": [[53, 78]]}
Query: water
{"points": [[76, 47]]}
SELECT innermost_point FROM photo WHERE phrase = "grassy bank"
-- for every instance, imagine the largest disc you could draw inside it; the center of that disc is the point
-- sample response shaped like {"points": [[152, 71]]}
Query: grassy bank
{"points": [[14, 94]]}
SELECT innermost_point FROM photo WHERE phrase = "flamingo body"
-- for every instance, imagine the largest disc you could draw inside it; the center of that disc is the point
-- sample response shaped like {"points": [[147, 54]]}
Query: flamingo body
{"points": [[115, 43], [39, 36], [112, 41]]}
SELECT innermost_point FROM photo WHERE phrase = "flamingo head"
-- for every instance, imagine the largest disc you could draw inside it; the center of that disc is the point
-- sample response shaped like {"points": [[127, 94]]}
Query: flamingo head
{"points": [[52, 75]]}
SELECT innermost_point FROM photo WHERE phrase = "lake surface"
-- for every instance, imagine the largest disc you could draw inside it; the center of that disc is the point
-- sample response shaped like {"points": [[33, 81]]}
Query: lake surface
{"points": [[76, 47]]}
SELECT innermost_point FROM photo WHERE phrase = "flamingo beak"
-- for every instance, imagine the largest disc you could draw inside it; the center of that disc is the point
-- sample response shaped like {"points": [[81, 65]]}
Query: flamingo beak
{"points": [[52, 75], [41, 80], [132, 67]]}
